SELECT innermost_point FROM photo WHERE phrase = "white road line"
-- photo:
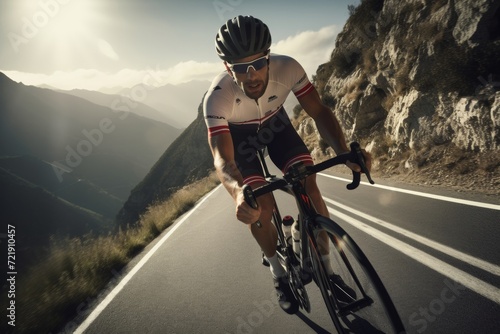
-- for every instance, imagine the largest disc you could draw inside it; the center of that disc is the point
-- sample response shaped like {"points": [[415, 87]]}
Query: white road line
{"points": [[417, 193], [484, 289], [98, 310], [485, 265]]}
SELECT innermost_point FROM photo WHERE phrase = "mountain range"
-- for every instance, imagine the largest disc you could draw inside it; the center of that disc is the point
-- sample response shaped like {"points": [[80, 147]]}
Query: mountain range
{"points": [[186, 160], [67, 165], [174, 105]]}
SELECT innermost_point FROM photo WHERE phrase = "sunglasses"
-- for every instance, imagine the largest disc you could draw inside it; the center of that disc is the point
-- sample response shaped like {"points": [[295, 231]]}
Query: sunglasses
{"points": [[256, 64]]}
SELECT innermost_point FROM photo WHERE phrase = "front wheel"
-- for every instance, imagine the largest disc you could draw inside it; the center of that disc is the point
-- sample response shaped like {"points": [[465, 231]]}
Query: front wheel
{"points": [[354, 295]]}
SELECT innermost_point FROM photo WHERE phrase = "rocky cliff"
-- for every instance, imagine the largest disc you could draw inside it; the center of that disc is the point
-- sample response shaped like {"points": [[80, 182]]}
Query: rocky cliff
{"points": [[418, 82]]}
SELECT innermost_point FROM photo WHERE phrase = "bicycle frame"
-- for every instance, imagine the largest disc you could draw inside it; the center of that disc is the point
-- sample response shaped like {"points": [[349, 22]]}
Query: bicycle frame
{"points": [[276, 213], [307, 212], [306, 219], [311, 223]]}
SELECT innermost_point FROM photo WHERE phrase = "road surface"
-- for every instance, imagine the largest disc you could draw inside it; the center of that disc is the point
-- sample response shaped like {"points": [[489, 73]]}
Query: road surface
{"points": [[439, 259]]}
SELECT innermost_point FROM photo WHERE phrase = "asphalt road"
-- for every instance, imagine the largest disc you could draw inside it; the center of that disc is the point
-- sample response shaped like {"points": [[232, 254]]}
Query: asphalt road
{"points": [[439, 260]]}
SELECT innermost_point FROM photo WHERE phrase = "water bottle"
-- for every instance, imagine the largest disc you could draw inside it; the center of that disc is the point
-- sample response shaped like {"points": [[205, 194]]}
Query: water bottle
{"points": [[296, 238], [287, 229]]}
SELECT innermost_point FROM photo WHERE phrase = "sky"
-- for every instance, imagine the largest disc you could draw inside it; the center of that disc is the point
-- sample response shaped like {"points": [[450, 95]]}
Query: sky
{"points": [[93, 44]]}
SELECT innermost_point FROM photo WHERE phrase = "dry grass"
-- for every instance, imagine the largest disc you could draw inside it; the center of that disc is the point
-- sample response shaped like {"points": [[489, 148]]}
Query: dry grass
{"points": [[76, 270], [355, 88]]}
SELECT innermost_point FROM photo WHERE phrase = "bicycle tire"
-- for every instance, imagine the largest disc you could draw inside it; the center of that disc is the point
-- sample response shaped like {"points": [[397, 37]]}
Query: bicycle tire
{"points": [[371, 310]]}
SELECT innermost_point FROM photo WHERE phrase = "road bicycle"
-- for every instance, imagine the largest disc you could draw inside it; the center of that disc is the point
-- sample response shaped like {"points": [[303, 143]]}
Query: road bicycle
{"points": [[355, 296]]}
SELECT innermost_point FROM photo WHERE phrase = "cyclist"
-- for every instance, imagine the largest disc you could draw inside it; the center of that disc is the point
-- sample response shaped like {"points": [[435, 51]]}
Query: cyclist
{"points": [[243, 110]]}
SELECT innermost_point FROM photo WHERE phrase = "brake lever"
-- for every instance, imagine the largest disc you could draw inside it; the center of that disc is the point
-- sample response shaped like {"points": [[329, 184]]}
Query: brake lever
{"points": [[360, 160], [251, 200]]}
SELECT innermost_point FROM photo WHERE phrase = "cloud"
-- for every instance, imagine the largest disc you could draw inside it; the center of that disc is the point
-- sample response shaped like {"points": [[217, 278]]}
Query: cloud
{"points": [[92, 79], [310, 48], [191, 70]]}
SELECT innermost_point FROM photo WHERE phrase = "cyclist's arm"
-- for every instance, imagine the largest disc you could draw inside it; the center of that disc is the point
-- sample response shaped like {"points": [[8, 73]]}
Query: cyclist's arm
{"points": [[328, 126], [228, 173], [225, 166], [326, 122]]}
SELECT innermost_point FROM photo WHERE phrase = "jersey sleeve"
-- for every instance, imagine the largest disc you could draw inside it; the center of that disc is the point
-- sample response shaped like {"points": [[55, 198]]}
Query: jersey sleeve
{"points": [[301, 85], [216, 110]]}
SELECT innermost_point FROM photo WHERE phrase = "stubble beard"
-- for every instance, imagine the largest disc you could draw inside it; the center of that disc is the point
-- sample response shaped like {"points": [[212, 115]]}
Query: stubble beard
{"points": [[255, 94]]}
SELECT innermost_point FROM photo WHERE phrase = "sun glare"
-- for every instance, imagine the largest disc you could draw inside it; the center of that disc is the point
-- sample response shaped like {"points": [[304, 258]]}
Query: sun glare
{"points": [[72, 21], [67, 33]]}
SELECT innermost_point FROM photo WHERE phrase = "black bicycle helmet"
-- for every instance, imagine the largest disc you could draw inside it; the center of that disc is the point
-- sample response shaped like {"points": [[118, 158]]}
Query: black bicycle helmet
{"points": [[241, 37]]}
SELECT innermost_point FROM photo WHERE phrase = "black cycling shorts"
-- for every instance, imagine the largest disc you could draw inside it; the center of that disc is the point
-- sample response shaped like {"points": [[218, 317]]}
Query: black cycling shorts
{"points": [[283, 143]]}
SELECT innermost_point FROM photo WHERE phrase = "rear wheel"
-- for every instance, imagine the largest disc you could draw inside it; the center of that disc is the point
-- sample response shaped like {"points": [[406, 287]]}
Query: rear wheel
{"points": [[355, 296]]}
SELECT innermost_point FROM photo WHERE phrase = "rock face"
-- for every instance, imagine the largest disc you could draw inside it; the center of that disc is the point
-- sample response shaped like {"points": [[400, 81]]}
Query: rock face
{"points": [[417, 74]]}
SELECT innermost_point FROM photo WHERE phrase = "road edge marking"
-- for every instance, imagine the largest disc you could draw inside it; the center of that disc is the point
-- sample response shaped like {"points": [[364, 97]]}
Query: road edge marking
{"points": [[418, 193], [106, 301]]}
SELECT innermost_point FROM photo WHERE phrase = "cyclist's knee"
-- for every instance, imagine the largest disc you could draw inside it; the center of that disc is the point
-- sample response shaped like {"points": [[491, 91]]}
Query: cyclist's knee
{"points": [[316, 197], [312, 187], [266, 202]]}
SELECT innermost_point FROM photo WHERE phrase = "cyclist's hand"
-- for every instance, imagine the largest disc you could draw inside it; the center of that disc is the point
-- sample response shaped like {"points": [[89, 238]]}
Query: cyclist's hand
{"points": [[368, 162], [244, 212]]}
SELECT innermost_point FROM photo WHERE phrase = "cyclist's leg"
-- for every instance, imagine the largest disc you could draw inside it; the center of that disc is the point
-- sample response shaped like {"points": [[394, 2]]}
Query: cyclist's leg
{"points": [[266, 235], [246, 142], [245, 154], [287, 148], [283, 142], [320, 207]]}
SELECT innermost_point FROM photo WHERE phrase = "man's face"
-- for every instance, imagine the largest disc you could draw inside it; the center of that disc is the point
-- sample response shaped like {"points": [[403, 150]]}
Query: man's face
{"points": [[253, 82]]}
